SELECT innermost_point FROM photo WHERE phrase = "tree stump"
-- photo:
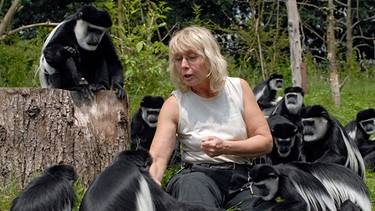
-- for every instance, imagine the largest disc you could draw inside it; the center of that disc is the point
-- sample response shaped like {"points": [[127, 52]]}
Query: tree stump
{"points": [[41, 127]]}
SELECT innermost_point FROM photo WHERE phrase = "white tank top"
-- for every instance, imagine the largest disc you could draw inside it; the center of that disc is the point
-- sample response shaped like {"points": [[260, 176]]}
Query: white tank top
{"points": [[220, 116]]}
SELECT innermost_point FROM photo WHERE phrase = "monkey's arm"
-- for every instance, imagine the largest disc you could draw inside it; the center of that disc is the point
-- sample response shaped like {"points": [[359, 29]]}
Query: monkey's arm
{"points": [[116, 73]]}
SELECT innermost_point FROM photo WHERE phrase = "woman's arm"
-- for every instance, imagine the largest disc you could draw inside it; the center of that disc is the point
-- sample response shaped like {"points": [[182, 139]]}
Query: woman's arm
{"points": [[164, 139]]}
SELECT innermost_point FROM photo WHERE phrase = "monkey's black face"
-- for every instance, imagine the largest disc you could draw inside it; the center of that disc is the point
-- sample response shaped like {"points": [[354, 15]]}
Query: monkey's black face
{"points": [[284, 146], [266, 188], [314, 128], [368, 126], [88, 35], [276, 84], [150, 116], [293, 102]]}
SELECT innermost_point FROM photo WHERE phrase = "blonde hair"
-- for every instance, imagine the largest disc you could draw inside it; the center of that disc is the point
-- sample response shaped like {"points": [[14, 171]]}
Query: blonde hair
{"points": [[200, 41]]}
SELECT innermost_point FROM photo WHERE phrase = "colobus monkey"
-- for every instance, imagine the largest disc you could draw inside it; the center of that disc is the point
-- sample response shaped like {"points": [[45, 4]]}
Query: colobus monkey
{"points": [[341, 183], [144, 121], [291, 104], [297, 189], [265, 92], [325, 140], [286, 139], [79, 55], [127, 185], [360, 131], [53, 190]]}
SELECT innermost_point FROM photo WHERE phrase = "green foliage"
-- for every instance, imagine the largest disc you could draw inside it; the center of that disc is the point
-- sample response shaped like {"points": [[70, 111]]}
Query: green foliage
{"points": [[18, 63], [145, 58]]}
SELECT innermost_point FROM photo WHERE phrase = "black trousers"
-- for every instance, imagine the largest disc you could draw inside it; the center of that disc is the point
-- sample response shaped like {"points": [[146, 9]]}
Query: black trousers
{"points": [[214, 186]]}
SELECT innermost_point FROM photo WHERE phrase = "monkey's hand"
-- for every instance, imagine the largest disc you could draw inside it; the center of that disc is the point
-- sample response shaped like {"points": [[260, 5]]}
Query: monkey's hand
{"points": [[85, 90], [58, 55], [68, 52], [120, 92], [97, 87]]}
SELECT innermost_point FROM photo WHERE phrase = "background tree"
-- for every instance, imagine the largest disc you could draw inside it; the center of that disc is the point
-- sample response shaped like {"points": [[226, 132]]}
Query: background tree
{"points": [[331, 41], [294, 42]]}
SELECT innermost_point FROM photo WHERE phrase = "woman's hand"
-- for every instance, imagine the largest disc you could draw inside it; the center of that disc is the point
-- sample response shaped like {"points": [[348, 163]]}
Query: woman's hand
{"points": [[213, 146]]}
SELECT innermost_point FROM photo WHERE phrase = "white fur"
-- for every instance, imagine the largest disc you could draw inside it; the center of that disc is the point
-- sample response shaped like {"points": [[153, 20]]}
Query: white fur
{"points": [[259, 94], [344, 193], [143, 197], [273, 84], [44, 67], [291, 143], [294, 107], [320, 129], [315, 201], [81, 35], [370, 126], [354, 159], [272, 185], [353, 133]]}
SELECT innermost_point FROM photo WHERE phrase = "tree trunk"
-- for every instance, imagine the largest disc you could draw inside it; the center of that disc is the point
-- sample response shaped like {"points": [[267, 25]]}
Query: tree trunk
{"points": [[331, 43], [43, 127], [295, 42]]}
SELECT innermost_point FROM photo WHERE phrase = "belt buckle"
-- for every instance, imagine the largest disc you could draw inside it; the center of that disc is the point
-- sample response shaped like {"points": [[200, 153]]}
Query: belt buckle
{"points": [[233, 166]]}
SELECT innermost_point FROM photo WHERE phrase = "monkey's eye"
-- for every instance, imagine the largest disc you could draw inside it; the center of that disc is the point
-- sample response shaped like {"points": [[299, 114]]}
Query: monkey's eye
{"points": [[95, 30]]}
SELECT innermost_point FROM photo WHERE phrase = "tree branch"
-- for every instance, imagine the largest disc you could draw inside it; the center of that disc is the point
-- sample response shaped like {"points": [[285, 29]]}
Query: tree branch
{"points": [[5, 22], [48, 23]]}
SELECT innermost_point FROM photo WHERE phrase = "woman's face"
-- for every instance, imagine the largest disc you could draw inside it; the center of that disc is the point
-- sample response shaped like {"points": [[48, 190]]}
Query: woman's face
{"points": [[192, 68]]}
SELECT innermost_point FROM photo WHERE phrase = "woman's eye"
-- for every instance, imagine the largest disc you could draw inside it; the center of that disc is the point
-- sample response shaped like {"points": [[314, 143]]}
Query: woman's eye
{"points": [[192, 58]]}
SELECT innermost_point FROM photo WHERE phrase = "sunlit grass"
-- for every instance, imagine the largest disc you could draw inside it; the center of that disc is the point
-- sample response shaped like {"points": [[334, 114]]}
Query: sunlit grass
{"points": [[357, 94]]}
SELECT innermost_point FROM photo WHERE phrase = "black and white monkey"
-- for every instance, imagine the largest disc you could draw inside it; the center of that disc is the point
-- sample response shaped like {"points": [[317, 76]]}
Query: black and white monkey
{"points": [[127, 185], [325, 140], [144, 121], [79, 55], [286, 138], [265, 92], [53, 190], [291, 104], [341, 183], [297, 189], [360, 130]]}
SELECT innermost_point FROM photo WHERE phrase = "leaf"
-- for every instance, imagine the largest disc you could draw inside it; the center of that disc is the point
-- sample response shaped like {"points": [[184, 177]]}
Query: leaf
{"points": [[139, 46]]}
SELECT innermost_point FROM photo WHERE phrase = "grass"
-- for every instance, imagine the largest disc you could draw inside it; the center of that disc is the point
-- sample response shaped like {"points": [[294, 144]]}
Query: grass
{"points": [[357, 94]]}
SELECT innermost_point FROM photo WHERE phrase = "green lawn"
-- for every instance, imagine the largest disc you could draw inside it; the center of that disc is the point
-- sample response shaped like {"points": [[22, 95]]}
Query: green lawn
{"points": [[356, 95]]}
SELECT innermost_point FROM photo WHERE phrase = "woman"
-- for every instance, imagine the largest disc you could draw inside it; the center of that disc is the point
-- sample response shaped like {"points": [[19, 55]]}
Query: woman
{"points": [[216, 119]]}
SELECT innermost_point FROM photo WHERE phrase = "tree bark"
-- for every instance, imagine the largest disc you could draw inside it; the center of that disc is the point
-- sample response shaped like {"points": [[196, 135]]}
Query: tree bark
{"points": [[294, 42], [331, 43], [43, 127]]}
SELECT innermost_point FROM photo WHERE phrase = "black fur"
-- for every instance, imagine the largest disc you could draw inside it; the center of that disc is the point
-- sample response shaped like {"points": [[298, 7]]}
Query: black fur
{"points": [[126, 182], [342, 184], [297, 189], [361, 135], [141, 131], [65, 64], [265, 94], [334, 145], [51, 191], [286, 138], [282, 109]]}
